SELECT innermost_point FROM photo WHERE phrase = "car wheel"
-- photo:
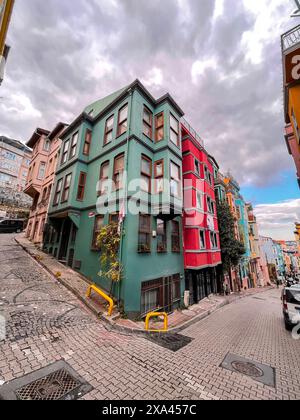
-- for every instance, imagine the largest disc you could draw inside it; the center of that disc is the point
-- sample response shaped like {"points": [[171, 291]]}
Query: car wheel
{"points": [[288, 326], [19, 231]]}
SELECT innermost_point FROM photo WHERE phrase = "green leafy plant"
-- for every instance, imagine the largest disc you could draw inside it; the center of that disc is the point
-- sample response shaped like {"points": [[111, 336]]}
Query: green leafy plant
{"points": [[108, 243]]}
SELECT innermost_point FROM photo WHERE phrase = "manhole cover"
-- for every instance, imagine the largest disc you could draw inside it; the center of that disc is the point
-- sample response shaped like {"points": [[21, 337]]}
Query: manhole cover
{"points": [[248, 369], [173, 342], [56, 382], [257, 371]]}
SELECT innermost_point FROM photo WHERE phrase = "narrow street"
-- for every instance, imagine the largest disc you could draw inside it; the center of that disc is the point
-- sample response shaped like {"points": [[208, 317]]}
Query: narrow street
{"points": [[46, 323]]}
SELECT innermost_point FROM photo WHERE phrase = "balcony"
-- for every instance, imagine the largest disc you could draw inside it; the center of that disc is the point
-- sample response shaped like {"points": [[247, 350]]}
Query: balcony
{"points": [[33, 187], [193, 133], [290, 39]]}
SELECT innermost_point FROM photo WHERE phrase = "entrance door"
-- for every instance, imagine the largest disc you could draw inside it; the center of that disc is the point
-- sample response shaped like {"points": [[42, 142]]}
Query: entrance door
{"points": [[62, 256]]}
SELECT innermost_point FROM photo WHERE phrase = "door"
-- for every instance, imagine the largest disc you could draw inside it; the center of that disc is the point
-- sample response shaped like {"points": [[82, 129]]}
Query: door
{"points": [[65, 238]]}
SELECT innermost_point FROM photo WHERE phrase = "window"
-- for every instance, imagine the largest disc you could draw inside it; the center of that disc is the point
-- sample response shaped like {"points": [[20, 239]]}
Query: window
{"points": [[114, 218], [161, 236], [146, 174], [152, 296], [159, 176], [199, 200], [42, 226], [208, 175], [104, 171], [66, 190], [147, 122], [202, 239], [175, 180], [213, 240], [197, 167], [44, 195], [81, 186], [176, 289], [97, 228], [109, 128], [210, 206], [57, 192], [74, 145], [118, 172], [42, 171], [65, 152], [122, 120], [159, 127], [174, 130], [175, 236], [144, 240], [47, 145], [87, 143]]}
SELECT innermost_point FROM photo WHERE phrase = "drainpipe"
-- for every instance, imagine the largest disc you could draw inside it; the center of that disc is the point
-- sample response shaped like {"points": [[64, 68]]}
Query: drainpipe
{"points": [[130, 91]]}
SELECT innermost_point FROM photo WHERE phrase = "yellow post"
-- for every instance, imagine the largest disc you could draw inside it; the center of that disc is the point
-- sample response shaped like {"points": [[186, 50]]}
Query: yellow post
{"points": [[103, 295], [6, 7], [155, 315]]}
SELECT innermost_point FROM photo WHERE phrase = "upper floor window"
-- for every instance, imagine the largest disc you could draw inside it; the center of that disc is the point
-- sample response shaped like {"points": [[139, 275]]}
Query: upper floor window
{"points": [[74, 145], [104, 172], [147, 122], [207, 175], [65, 152], [109, 128], [118, 172], [174, 130], [81, 186], [66, 190], [202, 239], [199, 200], [144, 242], [161, 236], [146, 174], [210, 205], [159, 127], [47, 145], [57, 192], [213, 240], [175, 180], [42, 171], [10, 156], [99, 220], [123, 120], [175, 236], [159, 176], [87, 143], [197, 167]]}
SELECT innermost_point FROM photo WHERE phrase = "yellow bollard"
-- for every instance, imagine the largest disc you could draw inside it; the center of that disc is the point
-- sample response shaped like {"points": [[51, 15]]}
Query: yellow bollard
{"points": [[102, 294], [155, 315]]}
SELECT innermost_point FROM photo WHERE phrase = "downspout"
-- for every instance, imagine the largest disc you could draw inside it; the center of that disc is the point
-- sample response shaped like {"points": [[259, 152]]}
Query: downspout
{"points": [[130, 91]]}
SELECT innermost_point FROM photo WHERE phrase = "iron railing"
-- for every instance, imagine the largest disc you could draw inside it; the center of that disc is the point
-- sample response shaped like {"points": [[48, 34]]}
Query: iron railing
{"points": [[192, 132], [290, 38]]}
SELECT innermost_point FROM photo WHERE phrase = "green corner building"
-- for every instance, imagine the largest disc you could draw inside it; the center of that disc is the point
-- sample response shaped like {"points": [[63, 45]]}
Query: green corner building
{"points": [[133, 141]]}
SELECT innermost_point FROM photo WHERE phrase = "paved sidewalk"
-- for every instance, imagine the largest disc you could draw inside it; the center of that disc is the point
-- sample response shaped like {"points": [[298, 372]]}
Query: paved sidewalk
{"points": [[78, 284]]}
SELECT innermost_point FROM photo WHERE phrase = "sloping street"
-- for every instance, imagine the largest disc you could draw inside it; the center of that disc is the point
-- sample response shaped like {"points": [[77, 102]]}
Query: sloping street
{"points": [[45, 323]]}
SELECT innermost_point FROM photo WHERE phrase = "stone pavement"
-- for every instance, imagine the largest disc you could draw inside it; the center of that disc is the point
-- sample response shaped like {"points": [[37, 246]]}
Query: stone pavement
{"points": [[46, 323]]}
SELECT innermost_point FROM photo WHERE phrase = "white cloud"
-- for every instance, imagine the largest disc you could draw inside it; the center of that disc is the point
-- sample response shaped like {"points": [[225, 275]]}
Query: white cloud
{"points": [[278, 220], [154, 77]]}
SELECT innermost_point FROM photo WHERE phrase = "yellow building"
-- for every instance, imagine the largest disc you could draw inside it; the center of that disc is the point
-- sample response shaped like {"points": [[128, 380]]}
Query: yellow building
{"points": [[6, 8]]}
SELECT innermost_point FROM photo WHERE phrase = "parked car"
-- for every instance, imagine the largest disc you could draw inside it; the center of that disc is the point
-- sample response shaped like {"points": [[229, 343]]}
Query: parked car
{"points": [[291, 306], [11, 226]]}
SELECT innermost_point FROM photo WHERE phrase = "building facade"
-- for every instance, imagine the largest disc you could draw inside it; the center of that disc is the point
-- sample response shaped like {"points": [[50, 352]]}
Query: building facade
{"points": [[202, 254], [133, 140], [255, 263]]}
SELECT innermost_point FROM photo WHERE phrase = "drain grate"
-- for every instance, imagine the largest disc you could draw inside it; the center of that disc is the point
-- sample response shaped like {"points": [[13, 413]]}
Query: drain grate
{"points": [[257, 371], [173, 342], [56, 382], [258, 298]]}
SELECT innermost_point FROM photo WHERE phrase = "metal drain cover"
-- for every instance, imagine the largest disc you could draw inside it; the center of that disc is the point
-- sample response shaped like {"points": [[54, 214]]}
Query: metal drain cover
{"points": [[56, 382], [173, 342], [258, 372]]}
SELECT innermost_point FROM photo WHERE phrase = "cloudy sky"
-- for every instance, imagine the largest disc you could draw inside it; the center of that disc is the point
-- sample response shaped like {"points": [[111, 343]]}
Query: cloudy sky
{"points": [[220, 59]]}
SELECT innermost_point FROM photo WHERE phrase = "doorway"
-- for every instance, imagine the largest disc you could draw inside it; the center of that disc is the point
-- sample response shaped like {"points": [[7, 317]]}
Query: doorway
{"points": [[65, 237]]}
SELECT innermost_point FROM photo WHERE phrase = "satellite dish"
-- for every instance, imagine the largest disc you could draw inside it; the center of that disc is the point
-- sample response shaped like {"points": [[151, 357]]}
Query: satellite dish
{"points": [[296, 13]]}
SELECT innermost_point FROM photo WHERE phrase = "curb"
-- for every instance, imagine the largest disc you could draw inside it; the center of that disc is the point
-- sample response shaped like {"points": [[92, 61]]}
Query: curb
{"points": [[111, 325]]}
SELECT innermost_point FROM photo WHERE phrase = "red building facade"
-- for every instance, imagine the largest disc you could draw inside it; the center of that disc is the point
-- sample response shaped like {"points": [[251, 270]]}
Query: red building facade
{"points": [[202, 254]]}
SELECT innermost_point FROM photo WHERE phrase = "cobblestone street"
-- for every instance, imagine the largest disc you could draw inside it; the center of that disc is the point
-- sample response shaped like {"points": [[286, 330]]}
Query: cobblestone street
{"points": [[46, 323]]}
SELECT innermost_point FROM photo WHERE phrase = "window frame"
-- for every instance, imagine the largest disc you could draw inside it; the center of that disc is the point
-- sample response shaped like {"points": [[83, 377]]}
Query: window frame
{"points": [[73, 148], [145, 231], [81, 186], [101, 178], [66, 188], [87, 142], [174, 180], [164, 241], [108, 130], [115, 173], [96, 232], [146, 123], [159, 127], [120, 123], [177, 144], [65, 152], [157, 177], [42, 165], [145, 175], [202, 232], [57, 193], [175, 237]]}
